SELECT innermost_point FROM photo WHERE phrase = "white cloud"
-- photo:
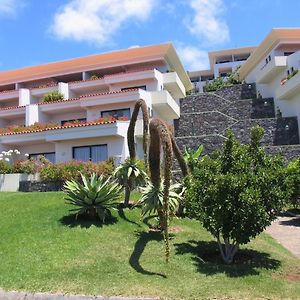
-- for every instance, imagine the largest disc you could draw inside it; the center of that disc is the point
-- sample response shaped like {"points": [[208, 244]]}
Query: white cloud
{"points": [[208, 22], [8, 7], [193, 58], [97, 20]]}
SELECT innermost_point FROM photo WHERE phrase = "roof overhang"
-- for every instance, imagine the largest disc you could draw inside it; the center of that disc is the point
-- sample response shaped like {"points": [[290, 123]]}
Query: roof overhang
{"points": [[163, 52], [274, 38]]}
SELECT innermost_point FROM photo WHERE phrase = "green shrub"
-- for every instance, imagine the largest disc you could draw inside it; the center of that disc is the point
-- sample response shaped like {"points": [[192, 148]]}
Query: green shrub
{"points": [[96, 196], [218, 83], [237, 192], [293, 180], [31, 166], [53, 96], [71, 170], [5, 167]]}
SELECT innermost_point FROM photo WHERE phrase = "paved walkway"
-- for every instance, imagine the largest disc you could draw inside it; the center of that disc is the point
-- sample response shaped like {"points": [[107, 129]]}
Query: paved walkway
{"points": [[46, 296], [286, 230]]}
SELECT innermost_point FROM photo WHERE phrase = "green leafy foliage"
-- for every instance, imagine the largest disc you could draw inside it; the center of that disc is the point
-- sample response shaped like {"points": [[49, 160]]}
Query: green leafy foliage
{"points": [[192, 157], [71, 170], [131, 174], [95, 196], [237, 192], [220, 82], [152, 198], [53, 96], [293, 180], [5, 167]]}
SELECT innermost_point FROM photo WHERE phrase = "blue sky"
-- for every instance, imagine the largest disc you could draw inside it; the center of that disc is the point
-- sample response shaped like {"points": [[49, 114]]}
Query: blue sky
{"points": [[35, 31]]}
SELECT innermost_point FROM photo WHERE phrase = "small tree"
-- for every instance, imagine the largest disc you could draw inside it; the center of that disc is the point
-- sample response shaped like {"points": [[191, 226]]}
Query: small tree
{"points": [[237, 192], [130, 174]]}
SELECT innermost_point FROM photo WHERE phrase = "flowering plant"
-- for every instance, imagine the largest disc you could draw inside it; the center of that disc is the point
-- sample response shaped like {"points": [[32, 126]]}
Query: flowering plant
{"points": [[11, 156]]}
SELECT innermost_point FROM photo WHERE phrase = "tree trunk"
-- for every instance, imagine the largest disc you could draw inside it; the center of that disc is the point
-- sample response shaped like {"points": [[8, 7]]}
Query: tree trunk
{"points": [[228, 251], [127, 195]]}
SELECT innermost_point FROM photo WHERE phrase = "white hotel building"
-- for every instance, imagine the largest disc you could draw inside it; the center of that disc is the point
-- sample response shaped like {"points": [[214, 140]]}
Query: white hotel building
{"points": [[274, 67], [154, 74], [221, 62]]}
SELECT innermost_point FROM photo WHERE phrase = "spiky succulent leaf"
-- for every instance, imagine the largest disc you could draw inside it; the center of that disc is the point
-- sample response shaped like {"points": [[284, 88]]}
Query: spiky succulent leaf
{"points": [[94, 194], [152, 198]]}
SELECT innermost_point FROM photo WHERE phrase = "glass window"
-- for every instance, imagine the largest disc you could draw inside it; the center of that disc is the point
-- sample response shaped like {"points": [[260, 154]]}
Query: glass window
{"points": [[117, 113], [50, 156], [70, 121], [143, 87], [94, 153]]}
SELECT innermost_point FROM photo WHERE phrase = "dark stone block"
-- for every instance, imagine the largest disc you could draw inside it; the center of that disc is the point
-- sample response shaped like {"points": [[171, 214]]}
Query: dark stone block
{"points": [[43, 186]]}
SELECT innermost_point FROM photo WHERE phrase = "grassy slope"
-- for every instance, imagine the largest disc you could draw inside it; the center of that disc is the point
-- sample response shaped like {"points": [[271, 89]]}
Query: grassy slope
{"points": [[40, 252]]}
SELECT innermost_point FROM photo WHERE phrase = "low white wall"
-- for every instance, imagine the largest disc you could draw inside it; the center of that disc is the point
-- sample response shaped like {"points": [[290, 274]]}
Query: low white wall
{"points": [[11, 182]]}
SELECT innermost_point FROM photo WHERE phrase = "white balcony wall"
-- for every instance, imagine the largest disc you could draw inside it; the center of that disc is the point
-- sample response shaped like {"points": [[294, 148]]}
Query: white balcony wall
{"points": [[229, 65], [32, 114], [151, 85], [34, 148], [24, 97], [64, 116], [94, 113]]}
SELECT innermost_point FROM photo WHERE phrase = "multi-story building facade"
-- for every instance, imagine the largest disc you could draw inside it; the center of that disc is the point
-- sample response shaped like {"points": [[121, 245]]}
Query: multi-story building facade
{"points": [[100, 91], [274, 66], [221, 63]]}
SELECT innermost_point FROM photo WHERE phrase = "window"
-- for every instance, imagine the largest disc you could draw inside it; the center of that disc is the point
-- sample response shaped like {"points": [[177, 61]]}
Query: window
{"points": [[48, 155], [288, 53], [143, 87], [269, 57], [116, 113], [288, 72], [94, 153], [71, 121], [292, 69]]}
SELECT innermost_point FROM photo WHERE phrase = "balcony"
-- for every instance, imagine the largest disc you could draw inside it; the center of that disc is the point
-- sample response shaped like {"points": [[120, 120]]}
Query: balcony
{"points": [[174, 85], [163, 103], [9, 95], [9, 112], [104, 82], [290, 88], [71, 132], [269, 71]]}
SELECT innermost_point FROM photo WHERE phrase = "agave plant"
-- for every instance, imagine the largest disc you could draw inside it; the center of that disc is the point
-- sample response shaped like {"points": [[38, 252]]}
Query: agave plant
{"points": [[152, 199], [95, 196], [130, 174]]}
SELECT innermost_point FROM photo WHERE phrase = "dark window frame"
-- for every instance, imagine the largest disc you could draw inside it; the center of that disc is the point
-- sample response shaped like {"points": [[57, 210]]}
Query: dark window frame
{"points": [[73, 120], [115, 110], [90, 150], [142, 87]]}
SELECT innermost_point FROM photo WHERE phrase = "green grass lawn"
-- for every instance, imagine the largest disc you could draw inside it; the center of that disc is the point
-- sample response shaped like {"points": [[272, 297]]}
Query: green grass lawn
{"points": [[43, 249]]}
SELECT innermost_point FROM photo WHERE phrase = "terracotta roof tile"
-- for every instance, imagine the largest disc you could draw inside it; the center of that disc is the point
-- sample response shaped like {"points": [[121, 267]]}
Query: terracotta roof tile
{"points": [[60, 127]]}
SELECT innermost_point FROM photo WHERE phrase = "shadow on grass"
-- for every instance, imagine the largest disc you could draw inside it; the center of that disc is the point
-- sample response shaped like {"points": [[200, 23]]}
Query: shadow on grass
{"points": [[84, 221], [139, 247], [123, 216], [207, 258]]}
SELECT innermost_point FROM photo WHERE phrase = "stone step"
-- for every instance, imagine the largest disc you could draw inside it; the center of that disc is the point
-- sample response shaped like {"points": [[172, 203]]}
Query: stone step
{"points": [[251, 109], [202, 103], [195, 124], [238, 92], [282, 131]]}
